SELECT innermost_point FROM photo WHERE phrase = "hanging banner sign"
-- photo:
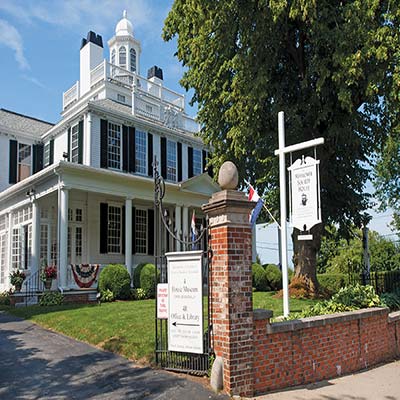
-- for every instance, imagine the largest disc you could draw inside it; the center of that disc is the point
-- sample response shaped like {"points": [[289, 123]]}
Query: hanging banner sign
{"points": [[185, 295], [305, 193]]}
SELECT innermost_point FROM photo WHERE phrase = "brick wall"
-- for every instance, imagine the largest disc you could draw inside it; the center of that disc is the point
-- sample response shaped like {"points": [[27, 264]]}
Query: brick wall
{"points": [[312, 349]]}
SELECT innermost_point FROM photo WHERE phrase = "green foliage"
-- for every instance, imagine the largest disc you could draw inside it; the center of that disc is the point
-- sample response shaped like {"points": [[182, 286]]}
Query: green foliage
{"points": [[106, 296], [148, 280], [51, 299], [348, 298], [391, 300], [5, 298], [138, 294], [17, 277], [260, 281], [136, 275], [332, 283], [274, 277], [115, 278]]}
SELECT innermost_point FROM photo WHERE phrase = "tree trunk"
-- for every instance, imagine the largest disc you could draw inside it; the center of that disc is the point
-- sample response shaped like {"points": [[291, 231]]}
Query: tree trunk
{"points": [[305, 258]]}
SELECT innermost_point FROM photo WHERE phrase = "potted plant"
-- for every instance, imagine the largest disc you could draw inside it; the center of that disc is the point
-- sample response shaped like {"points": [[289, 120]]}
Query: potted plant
{"points": [[49, 272], [17, 277]]}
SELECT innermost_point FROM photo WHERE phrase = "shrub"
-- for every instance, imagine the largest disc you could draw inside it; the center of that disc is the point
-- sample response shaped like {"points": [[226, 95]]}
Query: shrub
{"points": [[138, 294], [298, 288], [260, 281], [136, 275], [115, 278], [357, 297], [106, 296], [5, 298], [391, 300], [148, 280], [51, 299], [332, 283], [274, 277]]}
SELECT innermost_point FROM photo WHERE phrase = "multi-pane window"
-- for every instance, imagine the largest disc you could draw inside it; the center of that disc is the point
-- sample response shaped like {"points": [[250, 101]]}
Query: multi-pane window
{"points": [[171, 160], [78, 241], [78, 215], [16, 249], [3, 256], [140, 152], [133, 59], [75, 143], [114, 146], [46, 154], [122, 57], [3, 222], [121, 98], [24, 161], [22, 215], [114, 229], [141, 231], [44, 234], [197, 161]]}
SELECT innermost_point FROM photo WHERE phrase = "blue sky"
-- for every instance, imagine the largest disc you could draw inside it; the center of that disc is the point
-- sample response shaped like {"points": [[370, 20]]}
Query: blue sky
{"points": [[39, 44], [40, 41]]}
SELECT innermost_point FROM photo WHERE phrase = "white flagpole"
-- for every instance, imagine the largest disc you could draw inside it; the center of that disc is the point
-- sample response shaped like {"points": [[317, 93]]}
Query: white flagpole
{"points": [[282, 186]]}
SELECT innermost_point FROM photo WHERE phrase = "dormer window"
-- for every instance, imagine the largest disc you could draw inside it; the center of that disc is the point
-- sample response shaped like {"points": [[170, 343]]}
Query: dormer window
{"points": [[133, 60], [122, 57]]}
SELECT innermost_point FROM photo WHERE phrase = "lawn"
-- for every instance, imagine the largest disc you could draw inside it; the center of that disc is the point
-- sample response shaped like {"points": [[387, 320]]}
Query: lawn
{"points": [[126, 328]]}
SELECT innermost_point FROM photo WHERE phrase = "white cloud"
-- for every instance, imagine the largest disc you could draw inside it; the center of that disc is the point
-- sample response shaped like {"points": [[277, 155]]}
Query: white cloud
{"points": [[82, 15], [11, 38], [34, 81]]}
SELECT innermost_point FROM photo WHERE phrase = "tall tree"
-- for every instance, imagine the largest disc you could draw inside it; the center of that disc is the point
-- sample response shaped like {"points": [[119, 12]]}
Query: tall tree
{"points": [[332, 66]]}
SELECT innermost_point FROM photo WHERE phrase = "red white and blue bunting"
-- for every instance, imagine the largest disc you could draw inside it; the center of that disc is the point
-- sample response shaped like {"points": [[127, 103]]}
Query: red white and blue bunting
{"points": [[85, 274]]}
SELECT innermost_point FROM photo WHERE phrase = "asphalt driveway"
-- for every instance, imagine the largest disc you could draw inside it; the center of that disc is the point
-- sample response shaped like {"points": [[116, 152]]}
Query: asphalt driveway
{"points": [[38, 364]]}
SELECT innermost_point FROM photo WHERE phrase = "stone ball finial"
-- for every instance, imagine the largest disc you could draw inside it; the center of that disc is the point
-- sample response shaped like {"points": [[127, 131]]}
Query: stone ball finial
{"points": [[228, 177]]}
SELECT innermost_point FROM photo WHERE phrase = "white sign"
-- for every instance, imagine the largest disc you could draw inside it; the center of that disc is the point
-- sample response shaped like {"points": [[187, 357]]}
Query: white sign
{"points": [[162, 301], [304, 183], [185, 294]]}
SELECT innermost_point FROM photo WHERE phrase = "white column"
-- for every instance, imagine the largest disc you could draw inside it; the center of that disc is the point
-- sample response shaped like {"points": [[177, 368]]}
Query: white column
{"points": [[35, 259], [87, 134], [9, 242], [185, 223], [178, 227], [128, 235], [254, 243], [63, 243]]}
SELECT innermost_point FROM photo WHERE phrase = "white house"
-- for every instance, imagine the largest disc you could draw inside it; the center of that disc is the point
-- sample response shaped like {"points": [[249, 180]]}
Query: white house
{"points": [[81, 191]]}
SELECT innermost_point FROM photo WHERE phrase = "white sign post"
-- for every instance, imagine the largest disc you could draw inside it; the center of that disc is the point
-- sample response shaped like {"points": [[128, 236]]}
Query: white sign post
{"points": [[185, 295], [281, 152]]}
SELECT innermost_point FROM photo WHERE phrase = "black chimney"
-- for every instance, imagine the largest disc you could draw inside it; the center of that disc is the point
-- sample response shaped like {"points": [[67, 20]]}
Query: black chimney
{"points": [[92, 37], [155, 71]]}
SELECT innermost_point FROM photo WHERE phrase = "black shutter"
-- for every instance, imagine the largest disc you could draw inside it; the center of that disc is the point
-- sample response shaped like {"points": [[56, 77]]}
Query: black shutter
{"points": [[37, 160], [204, 154], [80, 142], [210, 169], [12, 178], [123, 230], [164, 157], [179, 159], [103, 143], [149, 154], [125, 148], [51, 156], [150, 232], [69, 144], [190, 162], [133, 230], [103, 228], [132, 149]]}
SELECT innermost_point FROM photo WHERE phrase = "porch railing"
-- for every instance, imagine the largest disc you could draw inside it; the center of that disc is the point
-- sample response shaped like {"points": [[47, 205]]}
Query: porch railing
{"points": [[33, 286]]}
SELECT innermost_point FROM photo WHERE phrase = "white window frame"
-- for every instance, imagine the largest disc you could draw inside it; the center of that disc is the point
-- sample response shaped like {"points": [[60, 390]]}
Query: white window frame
{"points": [[74, 156], [170, 177], [146, 245], [20, 163], [46, 154], [114, 205], [146, 144], [117, 161], [196, 170]]}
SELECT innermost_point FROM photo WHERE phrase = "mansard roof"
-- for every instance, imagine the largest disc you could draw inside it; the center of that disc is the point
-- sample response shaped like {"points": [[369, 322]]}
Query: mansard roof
{"points": [[19, 123]]}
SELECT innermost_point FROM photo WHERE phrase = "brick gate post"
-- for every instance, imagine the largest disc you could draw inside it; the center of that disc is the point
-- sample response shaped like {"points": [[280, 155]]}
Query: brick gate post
{"points": [[231, 304]]}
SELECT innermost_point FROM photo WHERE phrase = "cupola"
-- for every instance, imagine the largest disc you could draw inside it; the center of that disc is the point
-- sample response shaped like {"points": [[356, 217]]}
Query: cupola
{"points": [[124, 48]]}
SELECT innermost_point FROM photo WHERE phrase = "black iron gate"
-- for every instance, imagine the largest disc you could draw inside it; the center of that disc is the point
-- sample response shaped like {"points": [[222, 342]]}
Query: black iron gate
{"points": [[166, 235]]}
